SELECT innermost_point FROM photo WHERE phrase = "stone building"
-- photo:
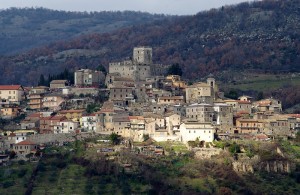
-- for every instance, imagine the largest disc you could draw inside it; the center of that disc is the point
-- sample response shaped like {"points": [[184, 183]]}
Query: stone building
{"points": [[268, 106], [121, 96], [87, 77], [58, 84], [139, 68], [239, 106], [201, 92], [251, 126], [200, 112], [223, 114]]}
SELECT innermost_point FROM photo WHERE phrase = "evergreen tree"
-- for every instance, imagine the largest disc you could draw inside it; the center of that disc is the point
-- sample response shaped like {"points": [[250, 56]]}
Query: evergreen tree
{"points": [[42, 81], [260, 96], [175, 69]]}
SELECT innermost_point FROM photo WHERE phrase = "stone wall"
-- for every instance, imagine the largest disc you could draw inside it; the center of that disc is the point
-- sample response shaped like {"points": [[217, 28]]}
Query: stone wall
{"points": [[206, 153], [58, 138], [254, 165]]}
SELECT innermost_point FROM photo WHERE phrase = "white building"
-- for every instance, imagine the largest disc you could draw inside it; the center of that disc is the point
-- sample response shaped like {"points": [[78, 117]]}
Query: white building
{"points": [[190, 131], [66, 126], [89, 122]]}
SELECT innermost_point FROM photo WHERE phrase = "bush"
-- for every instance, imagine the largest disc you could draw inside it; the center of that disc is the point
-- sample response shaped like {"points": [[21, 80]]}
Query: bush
{"points": [[21, 162], [41, 167], [12, 154], [115, 138], [8, 184], [192, 144], [220, 144], [234, 148], [22, 172]]}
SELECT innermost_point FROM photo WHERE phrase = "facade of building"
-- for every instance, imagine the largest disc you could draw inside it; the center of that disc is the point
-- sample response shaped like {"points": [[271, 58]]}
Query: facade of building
{"points": [[65, 126], [58, 84], [47, 124], [9, 112], [200, 112], [171, 100], [190, 131], [87, 77], [74, 115], [248, 126], [35, 101], [201, 92], [53, 101], [223, 114], [12, 93], [25, 147], [139, 68]]}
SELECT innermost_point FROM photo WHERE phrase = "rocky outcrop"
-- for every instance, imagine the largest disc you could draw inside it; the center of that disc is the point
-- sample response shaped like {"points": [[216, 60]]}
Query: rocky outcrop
{"points": [[277, 166], [272, 166], [206, 153]]}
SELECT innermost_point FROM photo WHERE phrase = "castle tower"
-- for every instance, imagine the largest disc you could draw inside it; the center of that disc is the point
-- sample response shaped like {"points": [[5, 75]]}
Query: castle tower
{"points": [[142, 55]]}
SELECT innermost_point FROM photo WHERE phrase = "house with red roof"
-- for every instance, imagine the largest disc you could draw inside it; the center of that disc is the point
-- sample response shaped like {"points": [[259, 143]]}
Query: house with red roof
{"points": [[25, 147], [48, 124], [11, 93]]}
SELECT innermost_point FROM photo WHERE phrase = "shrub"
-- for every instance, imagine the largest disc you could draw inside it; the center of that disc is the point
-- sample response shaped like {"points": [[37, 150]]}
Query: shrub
{"points": [[192, 144], [234, 148], [8, 184], [22, 172], [21, 162]]}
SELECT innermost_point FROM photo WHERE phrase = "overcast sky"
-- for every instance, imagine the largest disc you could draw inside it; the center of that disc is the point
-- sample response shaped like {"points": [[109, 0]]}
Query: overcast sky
{"points": [[179, 7]]}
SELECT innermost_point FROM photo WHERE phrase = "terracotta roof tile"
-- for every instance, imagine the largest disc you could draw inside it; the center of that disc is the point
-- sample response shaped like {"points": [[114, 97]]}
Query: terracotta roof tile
{"points": [[10, 87], [26, 142]]}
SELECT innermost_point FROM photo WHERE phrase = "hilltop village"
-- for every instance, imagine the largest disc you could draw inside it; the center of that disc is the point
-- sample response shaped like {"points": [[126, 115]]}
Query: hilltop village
{"points": [[136, 101]]}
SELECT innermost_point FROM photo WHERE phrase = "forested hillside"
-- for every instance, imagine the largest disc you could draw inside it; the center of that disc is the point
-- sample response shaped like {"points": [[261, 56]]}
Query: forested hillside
{"points": [[22, 29], [261, 36]]}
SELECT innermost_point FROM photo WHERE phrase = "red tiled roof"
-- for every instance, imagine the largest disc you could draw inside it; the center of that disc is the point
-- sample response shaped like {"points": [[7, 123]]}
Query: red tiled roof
{"points": [[261, 136], [26, 142], [243, 112], [37, 114], [294, 115], [136, 117], [58, 118], [243, 102], [10, 87], [171, 98], [71, 111], [12, 135]]}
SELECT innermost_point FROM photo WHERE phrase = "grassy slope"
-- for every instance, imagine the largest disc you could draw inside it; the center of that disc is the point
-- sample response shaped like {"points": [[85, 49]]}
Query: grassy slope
{"points": [[265, 82], [173, 173]]}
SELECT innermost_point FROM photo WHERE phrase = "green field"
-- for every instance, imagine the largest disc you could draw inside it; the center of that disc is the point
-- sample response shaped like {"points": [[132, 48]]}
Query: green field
{"points": [[262, 82]]}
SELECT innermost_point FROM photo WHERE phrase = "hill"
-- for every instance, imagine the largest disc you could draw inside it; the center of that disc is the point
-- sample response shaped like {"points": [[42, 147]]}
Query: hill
{"points": [[254, 37], [22, 29]]}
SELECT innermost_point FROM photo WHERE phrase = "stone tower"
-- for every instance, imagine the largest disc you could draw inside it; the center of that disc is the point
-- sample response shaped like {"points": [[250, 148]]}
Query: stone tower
{"points": [[211, 82], [142, 55]]}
